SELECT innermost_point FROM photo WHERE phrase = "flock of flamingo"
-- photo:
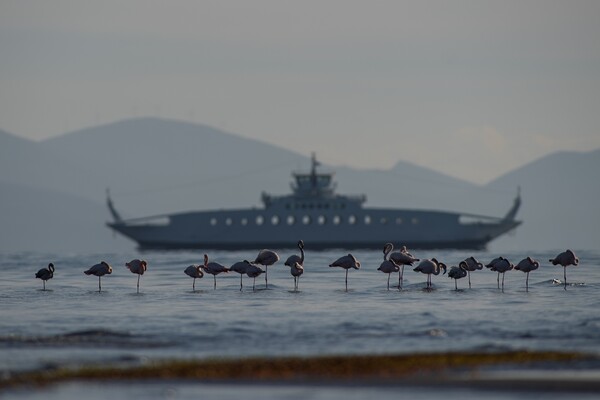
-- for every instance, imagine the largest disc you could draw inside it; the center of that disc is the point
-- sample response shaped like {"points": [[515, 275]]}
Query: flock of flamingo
{"points": [[392, 262]]}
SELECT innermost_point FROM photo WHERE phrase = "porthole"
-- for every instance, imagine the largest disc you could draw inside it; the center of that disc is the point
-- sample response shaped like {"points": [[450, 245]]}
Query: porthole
{"points": [[415, 221], [244, 221], [321, 219], [228, 221], [259, 220], [367, 219], [336, 220], [275, 220], [398, 221], [383, 221], [352, 220], [213, 221], [306, 220], [290, 220]]}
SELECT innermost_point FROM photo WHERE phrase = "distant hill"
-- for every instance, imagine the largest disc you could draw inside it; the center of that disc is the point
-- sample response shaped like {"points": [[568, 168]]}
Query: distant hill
{"points": [[155, 166], [560, 201]]}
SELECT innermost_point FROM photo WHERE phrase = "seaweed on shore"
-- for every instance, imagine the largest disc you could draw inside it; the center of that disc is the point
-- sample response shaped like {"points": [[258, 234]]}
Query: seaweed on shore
{"points": [[380, 368]]}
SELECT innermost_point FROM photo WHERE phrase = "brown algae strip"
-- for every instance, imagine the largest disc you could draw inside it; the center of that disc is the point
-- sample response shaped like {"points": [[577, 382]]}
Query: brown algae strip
{"points": [[289, 369]]}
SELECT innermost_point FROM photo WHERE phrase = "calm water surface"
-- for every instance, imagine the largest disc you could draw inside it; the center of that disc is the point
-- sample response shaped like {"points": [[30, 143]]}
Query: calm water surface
{"points": [[73, 324]]}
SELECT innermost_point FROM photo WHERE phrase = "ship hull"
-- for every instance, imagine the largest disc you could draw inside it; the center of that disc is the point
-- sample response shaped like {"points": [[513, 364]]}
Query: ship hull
{"points": [[364, 229]]}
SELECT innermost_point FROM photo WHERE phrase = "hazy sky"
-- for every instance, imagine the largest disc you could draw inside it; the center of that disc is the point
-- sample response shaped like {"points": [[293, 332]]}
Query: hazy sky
{"points": [[471, 88]]}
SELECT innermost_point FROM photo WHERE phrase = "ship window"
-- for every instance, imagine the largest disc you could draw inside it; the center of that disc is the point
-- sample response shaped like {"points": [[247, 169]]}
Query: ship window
{"points": [[306, 220], [415, 221], [275, 220], [383, 221], [290, 220], [367, 219], [352, 220], [244, 221], [259, 220], [398, 221], [213, 221], [228, 221], [336, 220], [321, 219]]}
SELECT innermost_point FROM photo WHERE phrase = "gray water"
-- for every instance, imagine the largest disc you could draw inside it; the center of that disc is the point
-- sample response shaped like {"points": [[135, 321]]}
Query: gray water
{"points": [[72, 324]]}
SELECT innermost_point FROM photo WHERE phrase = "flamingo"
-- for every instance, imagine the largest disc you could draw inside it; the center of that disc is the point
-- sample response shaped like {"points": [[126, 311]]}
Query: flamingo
{"points": [[240, 268], [471, 264], [214, 269], [253, 271], [527, 265], [296, 264], [194, 271], [490, 265], [457, 273], [45, 273], [346, 262], [296, 270], [266, 258], [402, 258], [565, 259], [388, 266], [99, 270], [429, 267], [138, 267], [501, 267]]}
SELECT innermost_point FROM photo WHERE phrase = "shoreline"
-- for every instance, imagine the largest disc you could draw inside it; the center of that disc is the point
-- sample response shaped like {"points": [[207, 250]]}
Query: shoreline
{"points": [[514, 370]]}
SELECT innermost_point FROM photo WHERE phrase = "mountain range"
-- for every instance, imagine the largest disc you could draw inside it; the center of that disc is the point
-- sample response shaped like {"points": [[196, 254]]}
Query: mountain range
{"points": [[53, 192]]}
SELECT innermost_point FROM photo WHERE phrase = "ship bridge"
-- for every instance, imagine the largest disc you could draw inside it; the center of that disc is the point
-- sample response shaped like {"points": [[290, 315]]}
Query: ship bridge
{"points": [[313, 190]]}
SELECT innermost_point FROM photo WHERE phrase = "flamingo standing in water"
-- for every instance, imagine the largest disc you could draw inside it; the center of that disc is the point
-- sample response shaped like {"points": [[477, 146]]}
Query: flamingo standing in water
{"points": [[253, 272], [490, 265], [45, 273], [388, 266], [402, 258], [565, 259], [502, 267], [266, 258], [194, 271], [527, 265], [470, 264], [214, 269], [346, 262], [137, 266], [429, 267], [457, 273], [99, 270], [296, 264], [240, 267]]}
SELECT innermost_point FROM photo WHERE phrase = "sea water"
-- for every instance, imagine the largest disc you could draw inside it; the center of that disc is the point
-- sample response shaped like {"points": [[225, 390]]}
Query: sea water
{"points": [[72, 324]]}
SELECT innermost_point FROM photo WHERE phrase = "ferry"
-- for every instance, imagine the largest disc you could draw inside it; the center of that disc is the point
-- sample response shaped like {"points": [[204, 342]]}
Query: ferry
{"points": [[315, 213]]}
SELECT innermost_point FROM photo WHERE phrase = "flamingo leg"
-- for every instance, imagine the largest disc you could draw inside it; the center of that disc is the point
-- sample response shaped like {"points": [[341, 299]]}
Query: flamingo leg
{"points": [[503, 282], [194, 285], [241, 284], [138, 284], [469, 273], [266, 273], [389, 281], [44, 285], [401, 278], [498, 280], [565, 269], [346, 280], [215, 279], [455, 285], [254, 284], [527, 283], [297, 283], [99, 284]]}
